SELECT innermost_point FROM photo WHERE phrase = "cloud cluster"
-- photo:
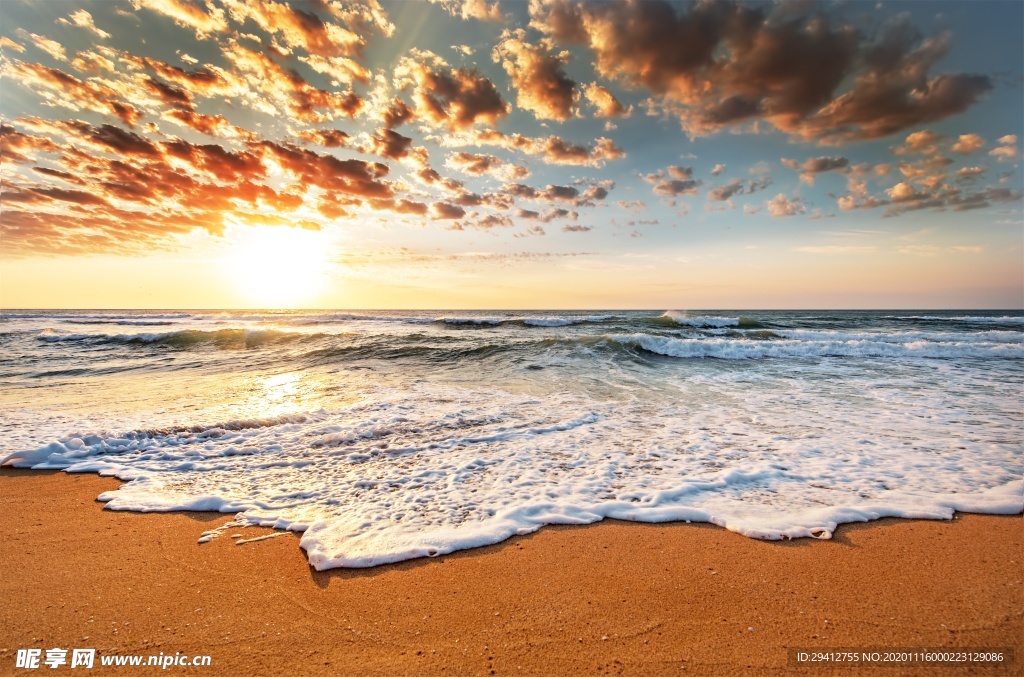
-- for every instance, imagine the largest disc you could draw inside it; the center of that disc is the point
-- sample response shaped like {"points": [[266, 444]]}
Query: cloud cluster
{"points": [[206, 19], [605, 103], [398, 113], [925, 142], [330, 138], [214, 184], [677, 181], [18, 148], [331, 47], [454, 98], [548, 216], [674, 181], [969, 174], [552, 149], [1006, 150], [587, 198], [430, 177], [389, 144], [83, 19], [910, 196], [926, 182], [62, 89], [472, 9], [904, 197], [541, 84], [814, 166], [284, 88], [51, 47], [444, 210], [721, 64], [735, 187], [7, 43], [479, 164], [115, 189], [726, 192], [298, 129], [968, 144], [780, 205]]}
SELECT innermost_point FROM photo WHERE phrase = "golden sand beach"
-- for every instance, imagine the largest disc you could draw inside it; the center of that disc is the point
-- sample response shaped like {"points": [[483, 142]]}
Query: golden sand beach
{"points": [[609, 598]]}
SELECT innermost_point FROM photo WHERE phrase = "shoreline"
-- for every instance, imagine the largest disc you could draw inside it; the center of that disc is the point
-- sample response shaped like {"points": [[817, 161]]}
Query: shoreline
{"points": [[619, 597]]}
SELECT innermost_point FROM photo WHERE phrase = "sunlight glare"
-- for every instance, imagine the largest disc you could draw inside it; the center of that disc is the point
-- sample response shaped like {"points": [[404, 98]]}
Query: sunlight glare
{"points": [[278, 267]]}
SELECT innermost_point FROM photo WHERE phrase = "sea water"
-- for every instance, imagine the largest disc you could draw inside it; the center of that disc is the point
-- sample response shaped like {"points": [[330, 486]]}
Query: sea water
{"points": [[384, 436]]}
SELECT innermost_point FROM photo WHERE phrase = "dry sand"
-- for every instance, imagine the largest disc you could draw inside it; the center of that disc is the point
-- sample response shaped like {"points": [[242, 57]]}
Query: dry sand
{"points": [[613, 597]]}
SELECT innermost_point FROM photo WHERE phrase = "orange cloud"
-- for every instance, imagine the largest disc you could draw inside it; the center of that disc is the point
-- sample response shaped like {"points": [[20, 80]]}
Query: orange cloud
{"points": [[453, 98], [472, 9], [968, 143], [206, 81], [925, 142], [51, 47], [131, 191], [400, 206], [6, 42], [331, 138], [284, 88], [605, 102], [430, 177], [17, 147], [354, 177], [67, 91], [470, 163], [188, 14], [398, 113], [211, 125], [543, 87], [83, 19], [298, 28], [443, 210], [390, 144], [479, 164], [1007, 150]]}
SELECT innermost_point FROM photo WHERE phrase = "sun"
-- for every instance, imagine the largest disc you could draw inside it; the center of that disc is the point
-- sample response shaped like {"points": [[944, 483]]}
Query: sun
{"points": [[278, 267]]}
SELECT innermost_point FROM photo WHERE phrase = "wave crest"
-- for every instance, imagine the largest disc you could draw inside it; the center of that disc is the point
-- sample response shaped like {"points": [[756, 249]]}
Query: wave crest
{"points": [[677, 317]]}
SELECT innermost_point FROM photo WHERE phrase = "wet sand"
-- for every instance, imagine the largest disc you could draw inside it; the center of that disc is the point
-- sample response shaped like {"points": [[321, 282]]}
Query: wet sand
{"points": [[608, 598]]}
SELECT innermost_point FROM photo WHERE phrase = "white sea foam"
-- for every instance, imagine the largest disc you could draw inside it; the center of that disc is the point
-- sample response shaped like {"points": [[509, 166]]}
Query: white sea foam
{"points": [[54, 335], [548, 321], [123, 323], [51, 335], [731, 349], [428, 469], [564, 321], [973, 319], [335, 318], [902, 336], [65, 316]]}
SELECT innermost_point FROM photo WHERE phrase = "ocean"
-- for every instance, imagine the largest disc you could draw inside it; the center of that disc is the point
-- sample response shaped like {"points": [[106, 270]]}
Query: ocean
{"points": [[388, 435]]}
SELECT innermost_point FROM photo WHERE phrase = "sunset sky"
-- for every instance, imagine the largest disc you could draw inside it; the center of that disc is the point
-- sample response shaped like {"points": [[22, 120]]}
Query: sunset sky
{"points": [[482, 154]]}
